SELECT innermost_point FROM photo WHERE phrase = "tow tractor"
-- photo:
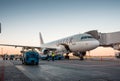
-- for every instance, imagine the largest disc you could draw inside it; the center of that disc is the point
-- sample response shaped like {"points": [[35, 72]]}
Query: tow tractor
{"points": [[30, 57]]}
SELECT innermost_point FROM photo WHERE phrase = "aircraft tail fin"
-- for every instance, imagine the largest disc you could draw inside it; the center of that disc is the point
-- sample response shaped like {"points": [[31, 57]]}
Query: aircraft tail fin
{"points": [[41, 39]]}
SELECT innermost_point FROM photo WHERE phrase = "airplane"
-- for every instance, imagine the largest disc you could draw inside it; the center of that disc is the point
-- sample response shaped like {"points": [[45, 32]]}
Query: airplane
{"points": [[77, 44]]}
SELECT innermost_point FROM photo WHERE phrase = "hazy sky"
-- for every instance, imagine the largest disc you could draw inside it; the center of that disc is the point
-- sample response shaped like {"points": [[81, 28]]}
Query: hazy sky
{"points": [[22, 20]]}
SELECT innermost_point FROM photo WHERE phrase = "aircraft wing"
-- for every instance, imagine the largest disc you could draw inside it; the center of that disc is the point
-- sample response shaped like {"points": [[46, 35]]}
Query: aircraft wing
{"points": [[28, 47]]}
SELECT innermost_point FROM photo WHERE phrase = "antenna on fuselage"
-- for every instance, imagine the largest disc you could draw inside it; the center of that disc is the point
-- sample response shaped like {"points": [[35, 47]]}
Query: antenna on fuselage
{"points": [[41, 39]]}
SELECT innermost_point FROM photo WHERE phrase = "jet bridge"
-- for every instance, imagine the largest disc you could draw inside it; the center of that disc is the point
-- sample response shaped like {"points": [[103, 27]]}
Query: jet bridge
{"points": [[107, 39]]}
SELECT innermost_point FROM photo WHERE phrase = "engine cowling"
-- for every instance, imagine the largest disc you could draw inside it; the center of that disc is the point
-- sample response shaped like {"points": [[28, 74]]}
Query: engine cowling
{"points": [[45, 51]]}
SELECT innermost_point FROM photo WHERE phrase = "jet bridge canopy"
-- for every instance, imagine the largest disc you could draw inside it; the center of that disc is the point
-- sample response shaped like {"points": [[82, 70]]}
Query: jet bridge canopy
{"points": [[94, 33], [107, 39]]}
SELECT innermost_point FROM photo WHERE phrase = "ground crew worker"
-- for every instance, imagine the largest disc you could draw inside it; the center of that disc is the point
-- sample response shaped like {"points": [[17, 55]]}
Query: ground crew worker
{"points": [[53, 56]]}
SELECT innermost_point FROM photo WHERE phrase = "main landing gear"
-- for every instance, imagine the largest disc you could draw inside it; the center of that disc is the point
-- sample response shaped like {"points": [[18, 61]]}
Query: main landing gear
{"points": [[67, 56]]}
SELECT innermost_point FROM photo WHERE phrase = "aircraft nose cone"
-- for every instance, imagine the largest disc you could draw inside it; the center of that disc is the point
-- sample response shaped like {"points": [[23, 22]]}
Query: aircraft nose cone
{"points": [[96, 43]]}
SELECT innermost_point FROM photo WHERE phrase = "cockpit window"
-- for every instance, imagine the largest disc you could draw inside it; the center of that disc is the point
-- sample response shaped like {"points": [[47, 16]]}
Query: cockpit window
{"points": [[86, 37]]}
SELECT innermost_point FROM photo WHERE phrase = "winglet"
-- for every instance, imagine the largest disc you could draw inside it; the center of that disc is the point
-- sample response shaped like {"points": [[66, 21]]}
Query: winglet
{"points": [[41, 39]]}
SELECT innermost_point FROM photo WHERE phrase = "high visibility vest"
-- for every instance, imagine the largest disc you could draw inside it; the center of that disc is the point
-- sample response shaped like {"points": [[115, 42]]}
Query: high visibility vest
{"points": [[53, 54]]}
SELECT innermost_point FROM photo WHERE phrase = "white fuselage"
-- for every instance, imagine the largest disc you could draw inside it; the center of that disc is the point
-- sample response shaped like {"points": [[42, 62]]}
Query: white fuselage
{"points": [[78, 42]]}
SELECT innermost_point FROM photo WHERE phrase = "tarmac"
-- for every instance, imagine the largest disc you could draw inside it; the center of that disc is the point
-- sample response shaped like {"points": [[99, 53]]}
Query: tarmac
{"points": [[8, 72], [61, 70]]}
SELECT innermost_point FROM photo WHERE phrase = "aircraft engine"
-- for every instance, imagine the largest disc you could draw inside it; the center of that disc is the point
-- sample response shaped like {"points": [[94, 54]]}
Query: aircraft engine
{"points": [[45, 51]]}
